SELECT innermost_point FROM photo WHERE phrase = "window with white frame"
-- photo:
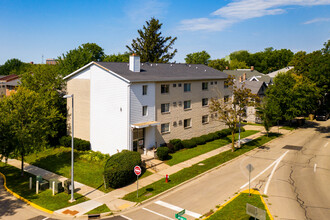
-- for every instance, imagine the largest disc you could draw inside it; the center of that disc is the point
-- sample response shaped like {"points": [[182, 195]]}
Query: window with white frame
{"points": [[187, 104], [205, 119], [205, 85], [165, 88], [144, 110], [187, 123], [205, 102], [187, 87], [165, 127], [144, 89], [165, 108]]}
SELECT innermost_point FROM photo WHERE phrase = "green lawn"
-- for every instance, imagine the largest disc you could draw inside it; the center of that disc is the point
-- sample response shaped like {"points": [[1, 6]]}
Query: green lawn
{"points": [[58, 160], [190, 172], [45, 199], [236, 209], [186, 154], [101, 209]]}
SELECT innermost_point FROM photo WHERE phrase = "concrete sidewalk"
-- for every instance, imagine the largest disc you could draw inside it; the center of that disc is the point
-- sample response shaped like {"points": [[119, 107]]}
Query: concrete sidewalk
{"points": [[112, 199], [80, 188]]}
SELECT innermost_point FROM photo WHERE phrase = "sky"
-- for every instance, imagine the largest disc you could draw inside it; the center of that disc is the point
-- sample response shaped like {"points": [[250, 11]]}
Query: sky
{"points": [[32, 30]]}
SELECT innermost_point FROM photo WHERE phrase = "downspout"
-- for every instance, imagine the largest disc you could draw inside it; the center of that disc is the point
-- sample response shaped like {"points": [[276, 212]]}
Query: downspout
{"points": [[129, 117]]}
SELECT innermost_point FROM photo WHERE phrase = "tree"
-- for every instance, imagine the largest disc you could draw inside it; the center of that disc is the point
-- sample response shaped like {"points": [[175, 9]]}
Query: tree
{"points": [[77, 58], [198, 58], [11, 66], [230, 111], [29, 122], [219, 64], [117, 57], [242, 56], [151, 46], [294, 94], [268, 111], [235, 64]]}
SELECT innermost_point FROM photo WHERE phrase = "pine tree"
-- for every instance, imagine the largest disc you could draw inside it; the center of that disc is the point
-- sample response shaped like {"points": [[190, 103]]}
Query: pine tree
{"points": [[151, 46]]}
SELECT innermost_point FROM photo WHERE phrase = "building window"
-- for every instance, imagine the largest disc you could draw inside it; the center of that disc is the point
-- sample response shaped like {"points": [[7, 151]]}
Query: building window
{"points": [[205, 102], [211, 83], [187, 104], [205, 119], [215, 82], [205, 85], [165, 127], [226, 98], [187, 123], [187, 87], [174, 85], [165, 89], [144, 89], [144, 110], [225, 84], [165, 108], [179, 85]]}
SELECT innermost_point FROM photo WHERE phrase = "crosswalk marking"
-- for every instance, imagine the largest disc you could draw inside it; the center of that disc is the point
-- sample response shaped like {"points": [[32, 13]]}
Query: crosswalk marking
{"points": [[178, 209], [156, 213]]}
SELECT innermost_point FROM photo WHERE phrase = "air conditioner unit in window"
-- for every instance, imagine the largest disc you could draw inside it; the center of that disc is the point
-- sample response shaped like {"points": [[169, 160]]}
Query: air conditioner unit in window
{"points": [[174, 123], [180, 103], [180, 122], [174, 104]]}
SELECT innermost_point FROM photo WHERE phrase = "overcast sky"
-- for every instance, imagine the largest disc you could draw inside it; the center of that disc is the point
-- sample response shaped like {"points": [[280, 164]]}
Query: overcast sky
{"points": [[32, 29]]}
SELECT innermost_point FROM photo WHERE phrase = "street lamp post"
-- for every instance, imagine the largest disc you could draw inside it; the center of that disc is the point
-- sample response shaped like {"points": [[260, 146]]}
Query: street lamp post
{"points": [[72, 151]]}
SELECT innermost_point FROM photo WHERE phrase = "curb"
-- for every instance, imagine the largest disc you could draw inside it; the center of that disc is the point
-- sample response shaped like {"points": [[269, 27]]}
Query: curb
{"points": [[245, 191], [23, 199]]}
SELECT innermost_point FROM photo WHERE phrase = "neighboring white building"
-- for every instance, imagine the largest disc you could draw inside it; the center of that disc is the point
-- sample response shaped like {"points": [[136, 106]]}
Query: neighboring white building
{"points": [[137, 106], [284, 70]]}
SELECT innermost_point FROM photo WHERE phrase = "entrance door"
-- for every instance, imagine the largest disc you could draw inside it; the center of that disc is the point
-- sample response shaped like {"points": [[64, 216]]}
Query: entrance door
{"points": [[138, 140]]}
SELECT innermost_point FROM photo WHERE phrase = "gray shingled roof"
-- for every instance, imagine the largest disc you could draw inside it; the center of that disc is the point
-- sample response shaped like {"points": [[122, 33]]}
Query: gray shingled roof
{"points": [[151, 72], [14, 82], [249, 74]]}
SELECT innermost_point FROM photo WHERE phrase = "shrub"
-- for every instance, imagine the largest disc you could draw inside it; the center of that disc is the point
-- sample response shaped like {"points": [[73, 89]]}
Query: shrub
{"points": [[189, 143], [177, 144], [119, 168], [95, 156], [162, 153], [226, 131], [67, 184], [199, 140], [171, 148], [79, 144]]}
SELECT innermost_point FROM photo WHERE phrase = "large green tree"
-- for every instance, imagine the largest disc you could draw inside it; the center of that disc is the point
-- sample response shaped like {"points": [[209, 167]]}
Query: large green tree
{"points": [[198, 58], [13, 66], [29, 120], [219, 64], [77, 58], [117, 57], [151, 46]]}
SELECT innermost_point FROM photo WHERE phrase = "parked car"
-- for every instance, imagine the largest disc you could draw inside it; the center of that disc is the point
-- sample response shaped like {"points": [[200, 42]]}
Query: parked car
{"points": [[322, 115]]}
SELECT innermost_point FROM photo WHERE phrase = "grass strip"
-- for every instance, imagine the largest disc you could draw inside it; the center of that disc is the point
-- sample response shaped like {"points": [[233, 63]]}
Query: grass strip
{"points": [[236, 209], [101, 209], [186, 154], [20, 185], [58, 160], [190, 172]]}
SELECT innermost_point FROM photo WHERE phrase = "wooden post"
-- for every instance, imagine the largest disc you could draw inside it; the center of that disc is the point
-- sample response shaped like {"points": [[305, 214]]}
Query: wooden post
{"points": [[30, 186], [53, 188], [37, 187]]}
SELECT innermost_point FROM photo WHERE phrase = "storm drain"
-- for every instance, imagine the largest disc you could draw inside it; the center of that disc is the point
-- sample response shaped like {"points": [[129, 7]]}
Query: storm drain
{"points": [[292, 147]]}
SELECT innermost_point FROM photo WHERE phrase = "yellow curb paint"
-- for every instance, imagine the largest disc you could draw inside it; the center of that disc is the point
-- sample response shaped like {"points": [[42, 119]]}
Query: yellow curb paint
{"points": [[124, 206], [23, 199], [252, 191]]}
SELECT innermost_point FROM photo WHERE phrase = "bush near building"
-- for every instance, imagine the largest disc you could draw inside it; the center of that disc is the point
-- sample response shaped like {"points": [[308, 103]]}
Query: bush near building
{"points": [[118, 170], [79, 144], [162, 153]]}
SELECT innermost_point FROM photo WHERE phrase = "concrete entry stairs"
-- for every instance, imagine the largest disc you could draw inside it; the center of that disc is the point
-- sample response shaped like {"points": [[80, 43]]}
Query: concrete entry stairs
{"points": [[152, 164]]}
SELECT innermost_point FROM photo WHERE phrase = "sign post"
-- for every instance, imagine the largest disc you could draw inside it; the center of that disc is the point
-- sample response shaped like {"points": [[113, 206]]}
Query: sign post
{"points": [[179, 215], [137, 171], [250, 168]]}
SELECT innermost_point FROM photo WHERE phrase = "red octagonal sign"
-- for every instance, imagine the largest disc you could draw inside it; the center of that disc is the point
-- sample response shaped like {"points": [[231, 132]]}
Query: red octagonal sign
{"points": [[137, 170]]}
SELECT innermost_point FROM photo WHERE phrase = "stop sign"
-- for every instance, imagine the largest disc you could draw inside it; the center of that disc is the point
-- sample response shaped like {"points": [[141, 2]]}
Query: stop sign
{"points": [[137, 170]]}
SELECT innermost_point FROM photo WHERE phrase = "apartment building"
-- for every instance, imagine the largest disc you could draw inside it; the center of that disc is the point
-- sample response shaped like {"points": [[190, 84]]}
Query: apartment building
{"points": [[138, 106]]}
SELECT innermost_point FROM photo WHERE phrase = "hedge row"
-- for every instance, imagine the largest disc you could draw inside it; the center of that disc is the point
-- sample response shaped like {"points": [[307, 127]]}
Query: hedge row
{"points": [[79, 144], [177, 144]]}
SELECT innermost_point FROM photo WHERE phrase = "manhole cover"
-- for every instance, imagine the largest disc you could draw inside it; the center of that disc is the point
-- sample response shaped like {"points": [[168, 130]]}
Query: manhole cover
{"points": [[292, 147]]}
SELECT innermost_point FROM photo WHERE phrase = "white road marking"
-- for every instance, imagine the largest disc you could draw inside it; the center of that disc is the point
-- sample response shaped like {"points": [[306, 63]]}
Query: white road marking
{"points": [[178, 209], [315, 167], [326, 144], [262, 172], [45, 218], [156, 213], [126, 217], [273, 171]]}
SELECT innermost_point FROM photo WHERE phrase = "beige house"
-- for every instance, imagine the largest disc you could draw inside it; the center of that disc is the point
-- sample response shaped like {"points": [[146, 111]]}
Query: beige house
{"points": [[138, 106]]}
